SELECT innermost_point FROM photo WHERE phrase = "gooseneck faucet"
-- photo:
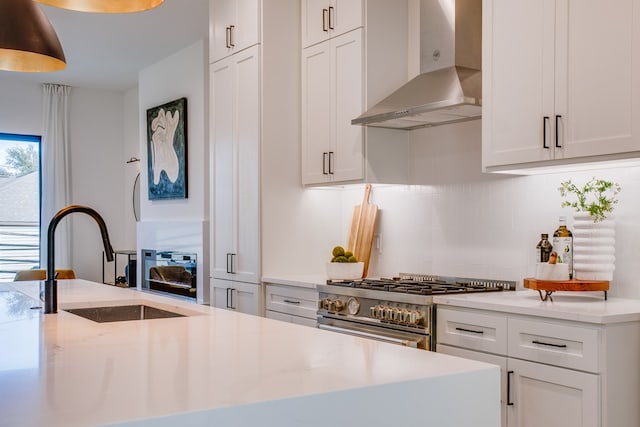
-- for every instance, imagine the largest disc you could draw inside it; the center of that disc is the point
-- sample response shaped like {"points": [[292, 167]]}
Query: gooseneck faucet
{"points": [[51, 284]]}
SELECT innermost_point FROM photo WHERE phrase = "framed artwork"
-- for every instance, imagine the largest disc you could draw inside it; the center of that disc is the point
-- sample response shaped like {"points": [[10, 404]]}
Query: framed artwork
{"points": [[167, 150]]}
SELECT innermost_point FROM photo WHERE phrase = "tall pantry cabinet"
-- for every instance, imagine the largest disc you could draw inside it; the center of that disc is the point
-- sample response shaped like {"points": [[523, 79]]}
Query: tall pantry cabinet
{"points": [[354, 54], [239, 101], [561, 82]]}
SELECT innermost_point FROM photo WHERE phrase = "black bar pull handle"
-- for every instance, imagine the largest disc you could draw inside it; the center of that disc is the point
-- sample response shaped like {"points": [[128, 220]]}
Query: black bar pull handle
{"points": [[331, 13], [470, 330], [228, 304], [331, 162], [325, 27], [509, 402], [548, 344], [228, 37], [231, 27], [288, 301], [324, 163], [228, 262], [544, 132], [558, 117]]}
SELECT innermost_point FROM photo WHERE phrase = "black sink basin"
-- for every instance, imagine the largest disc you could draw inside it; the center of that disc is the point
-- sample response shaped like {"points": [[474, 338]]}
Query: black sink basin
{"points": [[122, 313]]}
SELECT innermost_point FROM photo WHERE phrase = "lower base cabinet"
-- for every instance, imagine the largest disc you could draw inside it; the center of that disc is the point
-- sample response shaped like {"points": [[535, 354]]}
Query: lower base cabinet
{"points": [[555, 373], [291, 304], [237, 296]]}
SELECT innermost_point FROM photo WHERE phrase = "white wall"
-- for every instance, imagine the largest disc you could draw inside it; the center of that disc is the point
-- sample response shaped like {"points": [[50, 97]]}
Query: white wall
{"points": [[183, 74], [460, 222], [96, 161], [20, 108]]}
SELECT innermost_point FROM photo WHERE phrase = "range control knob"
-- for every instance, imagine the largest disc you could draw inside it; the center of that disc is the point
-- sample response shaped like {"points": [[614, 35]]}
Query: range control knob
{"points": [[415, 317], [325, 303], [338, 305]]}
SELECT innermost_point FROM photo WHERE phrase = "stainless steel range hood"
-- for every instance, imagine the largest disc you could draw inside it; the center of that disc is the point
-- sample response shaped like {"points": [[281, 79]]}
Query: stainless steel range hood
{"points": [[438, 96]]}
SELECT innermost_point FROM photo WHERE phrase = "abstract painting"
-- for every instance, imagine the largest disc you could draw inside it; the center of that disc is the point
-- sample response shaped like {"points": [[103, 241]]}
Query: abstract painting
{"points": [[167, 150]]}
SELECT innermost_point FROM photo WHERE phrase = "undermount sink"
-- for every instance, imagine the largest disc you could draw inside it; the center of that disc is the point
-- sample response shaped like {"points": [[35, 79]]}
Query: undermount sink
{"points": [[121, 313]]}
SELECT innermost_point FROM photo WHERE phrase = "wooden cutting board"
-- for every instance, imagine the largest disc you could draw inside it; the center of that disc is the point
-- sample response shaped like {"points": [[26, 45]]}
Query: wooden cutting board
{"points": [[363, 223]]}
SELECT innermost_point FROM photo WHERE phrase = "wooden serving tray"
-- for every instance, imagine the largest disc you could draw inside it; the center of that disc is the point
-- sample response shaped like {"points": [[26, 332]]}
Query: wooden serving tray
{"points": [[550, 286]]}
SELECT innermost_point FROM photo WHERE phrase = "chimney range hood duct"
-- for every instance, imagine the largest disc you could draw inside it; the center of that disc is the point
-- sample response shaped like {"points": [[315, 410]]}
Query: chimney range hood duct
{"points": [[447, 95]]}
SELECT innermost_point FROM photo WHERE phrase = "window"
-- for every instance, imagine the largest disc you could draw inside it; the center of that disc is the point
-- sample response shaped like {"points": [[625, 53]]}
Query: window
{"points": [[19, 204]]}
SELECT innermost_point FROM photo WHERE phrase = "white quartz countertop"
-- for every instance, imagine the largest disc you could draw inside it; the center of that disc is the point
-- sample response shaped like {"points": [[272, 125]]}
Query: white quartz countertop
{"points": [[63, 370], [583, 307]]}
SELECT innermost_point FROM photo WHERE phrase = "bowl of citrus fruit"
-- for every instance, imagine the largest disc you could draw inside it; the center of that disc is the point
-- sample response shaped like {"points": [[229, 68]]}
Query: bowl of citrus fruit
{"points": [[344, 265]]}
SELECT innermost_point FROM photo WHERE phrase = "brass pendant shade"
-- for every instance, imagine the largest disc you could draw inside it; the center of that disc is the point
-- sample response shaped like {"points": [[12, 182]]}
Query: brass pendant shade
{"points": [[28, 42], [104, 6]]}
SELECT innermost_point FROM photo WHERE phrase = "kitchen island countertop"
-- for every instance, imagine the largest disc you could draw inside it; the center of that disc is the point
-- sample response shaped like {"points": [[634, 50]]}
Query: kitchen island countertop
{"points": [[217, 367]]}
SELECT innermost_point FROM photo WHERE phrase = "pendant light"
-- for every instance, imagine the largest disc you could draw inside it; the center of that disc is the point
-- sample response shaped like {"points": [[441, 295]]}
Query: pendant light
{"points": [[28, 42], [104, 6]]}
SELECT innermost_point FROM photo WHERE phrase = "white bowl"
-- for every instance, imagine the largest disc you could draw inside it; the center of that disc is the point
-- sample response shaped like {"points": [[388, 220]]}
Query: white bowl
{"points": [[545, 271], [345, 270]]}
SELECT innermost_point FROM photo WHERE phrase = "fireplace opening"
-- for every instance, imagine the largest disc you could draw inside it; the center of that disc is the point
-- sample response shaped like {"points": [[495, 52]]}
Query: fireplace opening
{"points": [[172, 272]]}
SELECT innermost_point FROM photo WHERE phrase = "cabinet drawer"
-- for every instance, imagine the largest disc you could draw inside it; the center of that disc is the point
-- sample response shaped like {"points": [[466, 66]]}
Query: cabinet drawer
{"points": [[474, 330], [313, 323], [291, 300], [554, 343]]}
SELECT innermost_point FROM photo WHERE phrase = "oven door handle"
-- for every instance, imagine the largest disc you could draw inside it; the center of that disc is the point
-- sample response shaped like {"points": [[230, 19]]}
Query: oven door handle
{"points": [[408, 343]]}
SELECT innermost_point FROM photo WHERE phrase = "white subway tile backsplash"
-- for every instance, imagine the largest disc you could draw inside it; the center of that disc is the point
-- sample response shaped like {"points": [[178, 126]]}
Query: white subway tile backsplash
{"points": [[465, 223]]}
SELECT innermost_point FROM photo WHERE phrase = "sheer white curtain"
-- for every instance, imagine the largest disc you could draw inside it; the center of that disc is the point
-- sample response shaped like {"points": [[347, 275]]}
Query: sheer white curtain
{"points": [[55, 172]]}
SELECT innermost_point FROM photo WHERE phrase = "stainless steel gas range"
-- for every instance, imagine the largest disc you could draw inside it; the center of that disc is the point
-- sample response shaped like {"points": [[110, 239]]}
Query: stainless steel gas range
{"points": [[397, 310]]}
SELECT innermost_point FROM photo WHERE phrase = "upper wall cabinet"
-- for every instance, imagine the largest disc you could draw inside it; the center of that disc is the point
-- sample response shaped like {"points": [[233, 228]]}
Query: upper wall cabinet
{"points": [[341, 77], [234, 25], [561, 82], [323, 19]]}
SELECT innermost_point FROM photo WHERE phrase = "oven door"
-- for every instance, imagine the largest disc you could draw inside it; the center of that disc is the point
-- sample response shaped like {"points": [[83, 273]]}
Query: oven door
{"points": [[378, 333]]}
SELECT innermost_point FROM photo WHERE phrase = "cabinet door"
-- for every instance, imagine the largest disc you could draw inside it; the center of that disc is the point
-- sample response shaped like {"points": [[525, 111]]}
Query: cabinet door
{"points": [[236, 149], [221, 17], [246, 175], [315, 21], [517, 81], [236, 296], [344, 16], [316, 112], [347, 160], [222, 112], [546, 396], [220, 293], [597, 77], [234, 25], [322, 19], [487, 358]]}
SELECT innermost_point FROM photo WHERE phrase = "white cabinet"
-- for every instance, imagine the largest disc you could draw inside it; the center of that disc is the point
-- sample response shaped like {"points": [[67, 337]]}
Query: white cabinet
{"points": [[234, 25], [546, 396], [291, 304], [331, 93], [236, 296], [235, 112], [555, 373], [323, 19], [342, 76], [561, 82]]}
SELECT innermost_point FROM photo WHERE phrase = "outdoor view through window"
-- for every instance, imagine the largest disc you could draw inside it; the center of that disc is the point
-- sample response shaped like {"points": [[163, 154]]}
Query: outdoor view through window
{"points": [[19, 203]]}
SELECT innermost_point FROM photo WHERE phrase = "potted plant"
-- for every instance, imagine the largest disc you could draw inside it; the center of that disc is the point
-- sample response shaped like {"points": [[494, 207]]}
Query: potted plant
{"points": [[597, 197], [593, 227]]}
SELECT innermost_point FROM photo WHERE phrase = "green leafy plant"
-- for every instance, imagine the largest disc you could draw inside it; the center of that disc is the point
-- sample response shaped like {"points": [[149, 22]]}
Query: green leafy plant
{"points": [[597, 197]]}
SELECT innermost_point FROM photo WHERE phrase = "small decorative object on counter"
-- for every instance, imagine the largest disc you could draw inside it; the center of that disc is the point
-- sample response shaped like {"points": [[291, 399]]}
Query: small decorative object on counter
{"points": [[543, 248], [594, 227], [563, 244]]}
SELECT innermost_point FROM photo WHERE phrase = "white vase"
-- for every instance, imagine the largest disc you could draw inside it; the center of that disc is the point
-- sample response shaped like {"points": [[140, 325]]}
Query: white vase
{"points": [[593, 247]]}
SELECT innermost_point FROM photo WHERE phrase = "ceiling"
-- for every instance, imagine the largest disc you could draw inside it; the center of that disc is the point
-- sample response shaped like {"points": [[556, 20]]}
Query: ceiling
{"points": [[106, 51]]}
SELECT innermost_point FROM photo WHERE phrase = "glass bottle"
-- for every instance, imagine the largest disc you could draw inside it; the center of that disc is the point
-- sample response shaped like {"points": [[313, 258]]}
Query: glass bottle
{"points": [[563, 243], [543, 248]]}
